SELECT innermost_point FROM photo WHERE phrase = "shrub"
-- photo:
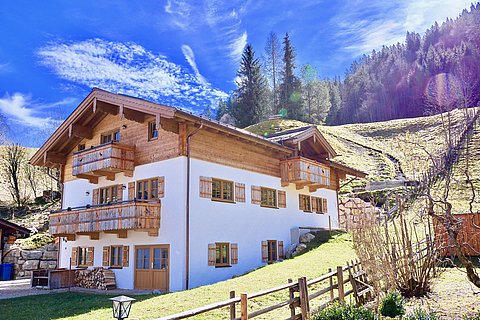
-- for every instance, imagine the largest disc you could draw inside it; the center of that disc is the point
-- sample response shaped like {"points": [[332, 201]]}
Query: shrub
{"points": [[476, 317], [420, 314], [40, 200], [392, 305], [339, 311]]}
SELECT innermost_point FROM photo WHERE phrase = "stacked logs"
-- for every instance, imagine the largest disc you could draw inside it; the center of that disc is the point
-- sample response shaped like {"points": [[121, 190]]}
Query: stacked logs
{"points": [[96, 278]]}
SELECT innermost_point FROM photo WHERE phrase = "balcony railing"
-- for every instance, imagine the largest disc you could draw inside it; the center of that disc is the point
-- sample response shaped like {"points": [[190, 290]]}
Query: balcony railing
{"points": [[104, 160], [110, 218], [304, 172]]}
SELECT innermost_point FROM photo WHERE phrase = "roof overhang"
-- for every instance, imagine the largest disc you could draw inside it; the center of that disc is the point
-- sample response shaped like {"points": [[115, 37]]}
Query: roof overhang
{"points": [[11, 227], [347, 170]]}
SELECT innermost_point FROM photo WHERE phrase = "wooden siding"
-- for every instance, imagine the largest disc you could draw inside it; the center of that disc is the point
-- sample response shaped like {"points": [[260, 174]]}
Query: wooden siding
{"points": [[305, 172], [122, 216]]}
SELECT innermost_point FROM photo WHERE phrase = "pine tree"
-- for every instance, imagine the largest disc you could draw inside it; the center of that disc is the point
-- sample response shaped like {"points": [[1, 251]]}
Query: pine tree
{"points": [[272, 67], [250, 96], [290, 88]]}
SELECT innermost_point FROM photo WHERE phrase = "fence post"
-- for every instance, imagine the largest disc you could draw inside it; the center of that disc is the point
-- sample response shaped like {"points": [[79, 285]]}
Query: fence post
{"points": [[232, 306], [331, 285], [291, 296], [304, 303], [340, 284], [243, 306], [330, 226]]}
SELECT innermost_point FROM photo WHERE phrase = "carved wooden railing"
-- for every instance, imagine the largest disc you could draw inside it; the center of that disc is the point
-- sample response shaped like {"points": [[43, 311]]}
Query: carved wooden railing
{"points": [[302, 171], [110, 157], [128, 215]]}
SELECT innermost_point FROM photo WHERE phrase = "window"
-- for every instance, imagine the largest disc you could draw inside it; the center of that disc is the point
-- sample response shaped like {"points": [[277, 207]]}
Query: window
{"points": [[82, 256], [147, 189], [272, 251], [305, 204], [222, 257], [81, 147], [110, 136], [222, 190], [152, 131], [268, 197], [319, 205], [108, 194], [116, 256]]}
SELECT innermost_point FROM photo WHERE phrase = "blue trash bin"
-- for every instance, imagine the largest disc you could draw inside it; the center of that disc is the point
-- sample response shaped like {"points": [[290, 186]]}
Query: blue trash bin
{"points": [[1, 272], [7, 271]]}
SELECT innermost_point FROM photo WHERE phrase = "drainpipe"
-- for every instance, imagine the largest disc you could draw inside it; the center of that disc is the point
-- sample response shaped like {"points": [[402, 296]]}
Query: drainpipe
{"points": [[187, 226]]}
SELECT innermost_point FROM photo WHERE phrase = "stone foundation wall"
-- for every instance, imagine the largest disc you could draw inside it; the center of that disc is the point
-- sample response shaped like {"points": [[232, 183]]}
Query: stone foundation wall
{"points": [[353, 211], [25, 261]]}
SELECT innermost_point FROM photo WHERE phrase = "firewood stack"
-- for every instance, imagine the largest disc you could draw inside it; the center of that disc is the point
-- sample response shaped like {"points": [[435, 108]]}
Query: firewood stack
{"points": [[96, 278]]}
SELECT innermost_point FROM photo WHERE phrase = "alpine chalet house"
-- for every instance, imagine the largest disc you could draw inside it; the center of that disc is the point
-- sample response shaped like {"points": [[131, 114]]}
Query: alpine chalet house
{"points": [[169, 200]]}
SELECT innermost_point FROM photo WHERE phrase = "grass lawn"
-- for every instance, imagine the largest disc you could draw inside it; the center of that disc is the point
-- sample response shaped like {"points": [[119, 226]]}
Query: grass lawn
{"points": [[312, 264]]}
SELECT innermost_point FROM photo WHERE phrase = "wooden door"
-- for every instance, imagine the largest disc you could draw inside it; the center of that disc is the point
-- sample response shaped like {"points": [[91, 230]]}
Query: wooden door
{"points": [[152, 267], [272, 251]]}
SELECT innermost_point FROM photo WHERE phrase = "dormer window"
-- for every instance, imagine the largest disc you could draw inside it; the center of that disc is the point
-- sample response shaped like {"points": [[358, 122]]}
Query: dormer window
{"points": [[110, 136]]}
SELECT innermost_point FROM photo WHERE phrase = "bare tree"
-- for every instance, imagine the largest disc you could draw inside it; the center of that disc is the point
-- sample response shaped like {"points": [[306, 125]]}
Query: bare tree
{"points": [[273, 60], [12, 162], [33, 175]]}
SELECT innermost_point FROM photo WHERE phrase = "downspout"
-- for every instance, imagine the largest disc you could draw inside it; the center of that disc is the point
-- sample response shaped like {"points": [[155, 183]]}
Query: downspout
{"points": [[187, 222]]}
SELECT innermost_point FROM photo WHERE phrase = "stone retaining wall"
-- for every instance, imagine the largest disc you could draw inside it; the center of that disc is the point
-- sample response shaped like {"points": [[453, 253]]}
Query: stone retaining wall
{"points": [[352, 211], [27, 260]]}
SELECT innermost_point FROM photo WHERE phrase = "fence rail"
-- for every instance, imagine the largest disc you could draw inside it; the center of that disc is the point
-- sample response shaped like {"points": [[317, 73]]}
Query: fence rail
{"points": [[300, 295]]}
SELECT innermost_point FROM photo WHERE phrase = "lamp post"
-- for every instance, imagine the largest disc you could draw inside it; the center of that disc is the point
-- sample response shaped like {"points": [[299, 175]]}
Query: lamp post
{"points": [[121, 307]]}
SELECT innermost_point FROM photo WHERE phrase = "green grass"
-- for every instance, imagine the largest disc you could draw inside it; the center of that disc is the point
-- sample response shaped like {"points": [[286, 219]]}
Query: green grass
{"points": [[312, 264]]}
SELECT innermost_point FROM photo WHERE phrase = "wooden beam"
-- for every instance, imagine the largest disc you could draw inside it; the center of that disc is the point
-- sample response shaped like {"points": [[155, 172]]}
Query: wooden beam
{"points": [[107, 174], [91, 179], [54, 157], [152, 232], [76, 130], [94, 104], [122, 234], [157, 121], [107, 108], [182, 138], [93, 235], [134, 115], [120, 111]]}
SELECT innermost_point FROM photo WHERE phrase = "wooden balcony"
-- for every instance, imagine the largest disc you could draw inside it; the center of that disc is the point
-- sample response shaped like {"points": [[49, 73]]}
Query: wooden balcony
{"points": [[304, 172], [115, 218], [104, 160]]}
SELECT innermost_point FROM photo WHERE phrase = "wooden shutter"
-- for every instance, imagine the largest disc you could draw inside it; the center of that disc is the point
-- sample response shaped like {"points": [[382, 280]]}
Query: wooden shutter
{"points": [[239, 192], [106, 256], [161, 187], [75, 256], [212, 254], [264, 251], [281, 254], [324, 205], [282, 199], [301, 203], [95, 196], [120, 193], [90, 256], [125, 257], [233, 253], [131, 190], [314, 204], [206, 187], [256, 195]]}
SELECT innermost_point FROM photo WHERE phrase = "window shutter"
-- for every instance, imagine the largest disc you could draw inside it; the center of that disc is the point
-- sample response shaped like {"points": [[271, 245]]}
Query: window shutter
{"points": [[161, 187], [234, 253], [314, 204], [239, 192], [75, 256], [120, 193], [131, 190], [264, 251], [206, 187], [106, 256], [212, 254], [90, 256], [95, 196], [125, 258], [324, 205], [281, 254], [282, 199], [256, 195], [301, 203]]}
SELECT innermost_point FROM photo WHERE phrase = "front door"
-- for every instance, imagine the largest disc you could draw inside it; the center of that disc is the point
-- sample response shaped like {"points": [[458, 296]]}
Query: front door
{"points": [[152, 267]]}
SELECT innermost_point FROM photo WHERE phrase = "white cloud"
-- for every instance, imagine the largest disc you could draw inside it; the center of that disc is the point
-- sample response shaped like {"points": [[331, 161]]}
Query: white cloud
{"points": [[190, 56], [237, 46], [21, 109], [128, 68]]}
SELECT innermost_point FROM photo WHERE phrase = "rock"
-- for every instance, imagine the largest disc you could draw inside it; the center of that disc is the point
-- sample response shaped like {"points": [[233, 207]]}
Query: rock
{"points": [[49, 255], [43, 265], [52, 264], [51, 247], [20, 261], [288, 254], [31, 254], [27, 274], [306, 238], [30, 265], [300, 248], [21, 274]]}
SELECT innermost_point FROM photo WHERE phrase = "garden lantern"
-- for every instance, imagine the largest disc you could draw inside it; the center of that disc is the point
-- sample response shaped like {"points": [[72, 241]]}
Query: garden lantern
{"points": [[121, 306]]}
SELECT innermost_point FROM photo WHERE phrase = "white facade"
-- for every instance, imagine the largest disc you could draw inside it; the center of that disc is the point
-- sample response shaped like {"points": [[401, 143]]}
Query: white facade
{"points": [[210, 221]]}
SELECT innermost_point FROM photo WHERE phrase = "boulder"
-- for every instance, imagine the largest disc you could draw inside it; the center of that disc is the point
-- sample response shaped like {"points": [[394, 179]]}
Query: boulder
{"points": [[31, 254], [31, 265], [43, 265], [306, 238], [49, 255], [300, 248]]}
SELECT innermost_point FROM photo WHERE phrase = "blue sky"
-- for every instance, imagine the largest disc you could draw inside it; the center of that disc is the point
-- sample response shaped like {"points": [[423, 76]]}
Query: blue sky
{"points": [[180, 53]]}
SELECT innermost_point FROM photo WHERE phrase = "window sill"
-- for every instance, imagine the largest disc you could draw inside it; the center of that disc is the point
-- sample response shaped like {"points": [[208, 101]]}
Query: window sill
{"points": [[222, 200], [271, 207], [223, 266], [153, 139], [115, 267]]}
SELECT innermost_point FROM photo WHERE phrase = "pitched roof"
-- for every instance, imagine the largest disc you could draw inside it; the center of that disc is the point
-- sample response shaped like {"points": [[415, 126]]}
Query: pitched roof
{"points": [[7, 225]]}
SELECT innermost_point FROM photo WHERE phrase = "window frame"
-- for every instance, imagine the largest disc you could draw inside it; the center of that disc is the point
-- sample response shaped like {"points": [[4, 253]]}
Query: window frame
{"points": [[268, 205], [110, 134], [319, 202], [148, 189], [152, 128], [118, 258], [218, 246], [269, 253], [222, 183], [306, 200], [82, 257], [109, 191]]}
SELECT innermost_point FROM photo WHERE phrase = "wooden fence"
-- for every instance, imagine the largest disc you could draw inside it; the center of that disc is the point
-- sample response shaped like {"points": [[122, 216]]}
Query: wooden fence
{"points": [[302, 295]]}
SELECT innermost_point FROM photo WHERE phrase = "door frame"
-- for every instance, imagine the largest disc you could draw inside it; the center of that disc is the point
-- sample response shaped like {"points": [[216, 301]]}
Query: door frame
{"points": [[167, 246]]}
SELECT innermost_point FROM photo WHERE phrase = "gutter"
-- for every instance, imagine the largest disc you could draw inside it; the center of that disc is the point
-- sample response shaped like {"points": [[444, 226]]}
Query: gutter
{"points": [[187, 211]]}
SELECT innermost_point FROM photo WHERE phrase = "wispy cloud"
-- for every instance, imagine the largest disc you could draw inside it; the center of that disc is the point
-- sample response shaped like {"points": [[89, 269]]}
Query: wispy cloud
{"points": [[20, 108], [190, 56], [237, 46], [4, 67], [179, 12], [130, 69]]}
